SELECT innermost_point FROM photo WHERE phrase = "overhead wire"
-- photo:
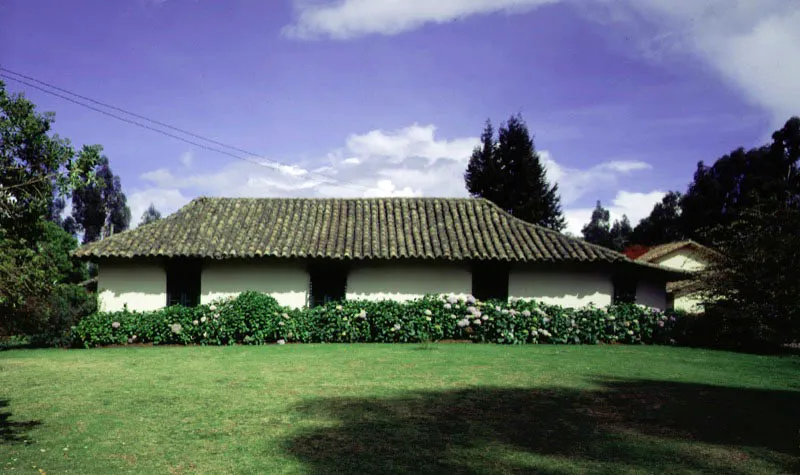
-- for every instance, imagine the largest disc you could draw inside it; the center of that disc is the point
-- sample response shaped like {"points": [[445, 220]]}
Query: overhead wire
{"points": [[27, 80]]}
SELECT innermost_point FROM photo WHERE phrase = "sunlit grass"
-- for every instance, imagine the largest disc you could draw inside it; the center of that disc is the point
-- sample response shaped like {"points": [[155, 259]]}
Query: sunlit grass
{"points": [[379, 408]]}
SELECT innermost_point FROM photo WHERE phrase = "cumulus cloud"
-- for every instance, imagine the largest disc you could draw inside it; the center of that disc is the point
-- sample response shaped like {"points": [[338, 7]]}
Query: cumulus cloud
{"points": [[351, 18], [634, 205], [411, 161]]}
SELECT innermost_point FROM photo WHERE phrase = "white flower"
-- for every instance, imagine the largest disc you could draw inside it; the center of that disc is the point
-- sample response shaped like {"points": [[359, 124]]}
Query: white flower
{"points": [[477, 321], [428, 312], [448, 306], [506, 311], [280, 323], [484, 318], [176, 328], [212, 307], [471, 300], [452, 300], [545, 320], [526, 313], [203, 319], [115, 325], [428, 318], [195, 322], [281, 341], [462, 323], [630, 332], [338, 307], [285, 315], [453, 316], [396, 326], [612, 317], [133, 337], [205, 334], [362, 314]]}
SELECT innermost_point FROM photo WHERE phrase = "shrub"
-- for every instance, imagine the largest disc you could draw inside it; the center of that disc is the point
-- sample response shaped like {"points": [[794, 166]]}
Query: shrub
{"points": [[254, 318]]}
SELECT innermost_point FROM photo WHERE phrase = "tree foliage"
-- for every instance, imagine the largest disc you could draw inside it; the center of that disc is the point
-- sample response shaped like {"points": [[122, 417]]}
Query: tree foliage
{"points": [[36, 169], [509, 172], [733, 184], [753, 283], [150, 215], [600, 231], [101, 208], [664, 223]]}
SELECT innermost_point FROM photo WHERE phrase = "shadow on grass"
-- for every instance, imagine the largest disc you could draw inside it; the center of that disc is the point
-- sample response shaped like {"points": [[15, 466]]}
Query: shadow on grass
{"points": [[638, 426], [11, 431]]}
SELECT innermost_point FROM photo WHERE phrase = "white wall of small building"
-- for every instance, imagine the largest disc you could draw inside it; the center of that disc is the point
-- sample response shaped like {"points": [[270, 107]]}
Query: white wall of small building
{"points": [[683, 259], [567, 288], [139, 284], [403, 282], [287, 282]]}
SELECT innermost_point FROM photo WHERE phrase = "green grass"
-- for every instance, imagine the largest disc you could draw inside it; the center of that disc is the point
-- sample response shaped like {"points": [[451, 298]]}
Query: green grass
{"points": [[398, 408]]}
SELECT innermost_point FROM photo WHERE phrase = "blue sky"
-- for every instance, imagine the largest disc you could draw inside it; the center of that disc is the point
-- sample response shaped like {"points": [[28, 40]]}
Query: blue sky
{"points": [[381, 97]]}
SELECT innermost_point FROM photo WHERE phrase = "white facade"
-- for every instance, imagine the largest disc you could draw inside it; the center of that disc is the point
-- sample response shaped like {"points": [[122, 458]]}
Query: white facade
{"points": [[685, 259], [287, 282], [404, 282], [140, 285], [564, 288], [652, 294]]}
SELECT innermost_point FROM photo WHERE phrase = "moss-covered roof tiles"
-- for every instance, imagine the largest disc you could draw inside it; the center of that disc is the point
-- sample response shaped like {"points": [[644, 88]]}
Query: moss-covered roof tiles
{"points": [[375, 228]]}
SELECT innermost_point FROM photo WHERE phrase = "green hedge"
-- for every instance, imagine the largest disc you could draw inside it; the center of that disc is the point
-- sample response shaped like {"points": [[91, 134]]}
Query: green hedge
{"points": [[254, 318]]}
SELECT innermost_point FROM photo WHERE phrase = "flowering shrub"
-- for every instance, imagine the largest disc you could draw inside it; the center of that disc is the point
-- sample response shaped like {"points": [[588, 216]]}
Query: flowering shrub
{"points": [[254, 318]]}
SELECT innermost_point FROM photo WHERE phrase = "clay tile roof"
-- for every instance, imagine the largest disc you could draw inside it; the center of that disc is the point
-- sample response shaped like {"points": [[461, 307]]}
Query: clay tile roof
{"points": [[656, 252], [361, 228]]}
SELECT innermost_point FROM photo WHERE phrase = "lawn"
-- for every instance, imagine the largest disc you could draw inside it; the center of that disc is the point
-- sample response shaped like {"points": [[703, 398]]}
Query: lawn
{"points": [[458, 408]]}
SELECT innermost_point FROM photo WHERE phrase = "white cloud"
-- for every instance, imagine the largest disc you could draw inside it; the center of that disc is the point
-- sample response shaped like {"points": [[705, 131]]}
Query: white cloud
{"points": [[575, 183], [351, 18], [187, 158], [752, 44], [411, 161], [631, 204]]}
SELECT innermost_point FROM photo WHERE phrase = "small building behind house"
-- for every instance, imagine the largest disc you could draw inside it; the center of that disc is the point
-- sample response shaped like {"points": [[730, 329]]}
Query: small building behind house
{"points": [[684, 294]]}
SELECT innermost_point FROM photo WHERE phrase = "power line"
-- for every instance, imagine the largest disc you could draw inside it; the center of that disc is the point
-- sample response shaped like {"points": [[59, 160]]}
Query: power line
{"points": [[331, 180]]}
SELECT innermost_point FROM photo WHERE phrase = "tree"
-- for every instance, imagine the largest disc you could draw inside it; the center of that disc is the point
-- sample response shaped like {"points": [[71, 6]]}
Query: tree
{"points": [[621, 233], [664, 223], [509, 173], [600, 231], [150, 215], [35, 169], [742, 180], [100, 209], [753, 282], [597, 230]]}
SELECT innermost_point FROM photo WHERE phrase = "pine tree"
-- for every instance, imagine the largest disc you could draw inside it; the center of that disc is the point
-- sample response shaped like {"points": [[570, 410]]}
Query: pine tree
{"points": [[509, 173]]}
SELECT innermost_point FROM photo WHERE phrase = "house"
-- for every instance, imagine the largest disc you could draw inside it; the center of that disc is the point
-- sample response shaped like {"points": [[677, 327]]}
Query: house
{"points": [[308, 251], [686, 255]]}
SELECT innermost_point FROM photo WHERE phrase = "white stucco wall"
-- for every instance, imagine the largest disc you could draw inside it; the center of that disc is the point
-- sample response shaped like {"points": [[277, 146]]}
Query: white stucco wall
{"points": [[565, 288], [652, 293], [683, 259], [404, 282], [287, 282], [141, 285]]}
